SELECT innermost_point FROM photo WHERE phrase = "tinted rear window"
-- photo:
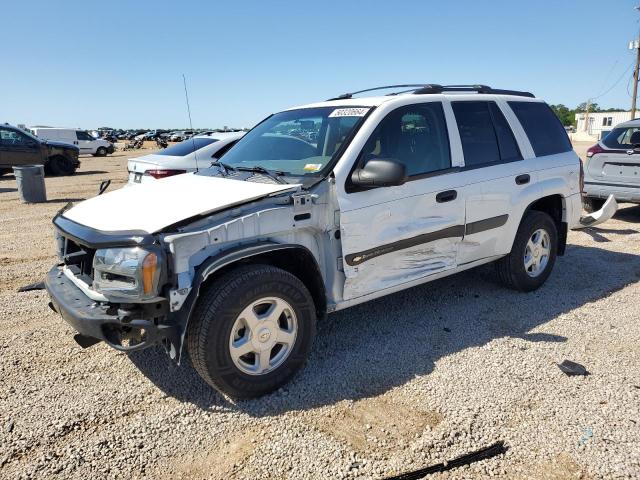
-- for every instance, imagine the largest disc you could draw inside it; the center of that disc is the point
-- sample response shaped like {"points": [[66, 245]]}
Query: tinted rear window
{"points": [[188, 146], [623, 138], [545, 132]]}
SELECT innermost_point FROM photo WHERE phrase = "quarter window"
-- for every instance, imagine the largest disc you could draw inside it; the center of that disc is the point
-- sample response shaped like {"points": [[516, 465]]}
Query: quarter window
{"points": [[415, 135], [542, 126], [485, 134]]}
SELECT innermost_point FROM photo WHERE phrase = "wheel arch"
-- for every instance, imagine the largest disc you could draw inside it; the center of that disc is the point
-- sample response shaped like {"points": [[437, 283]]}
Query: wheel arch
{"points": [[293, 258], [555, 206]]}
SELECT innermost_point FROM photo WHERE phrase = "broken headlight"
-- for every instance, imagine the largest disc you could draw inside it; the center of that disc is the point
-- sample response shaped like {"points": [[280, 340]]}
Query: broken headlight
{"points": [[127, 273]]}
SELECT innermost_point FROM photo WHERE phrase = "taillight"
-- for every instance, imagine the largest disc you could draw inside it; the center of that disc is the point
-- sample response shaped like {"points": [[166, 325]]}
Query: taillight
{"points": [[595, 149], [162, 173]]}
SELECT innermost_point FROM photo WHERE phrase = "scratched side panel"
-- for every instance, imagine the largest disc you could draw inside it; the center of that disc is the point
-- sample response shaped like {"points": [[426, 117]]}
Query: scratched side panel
{"points": [[389, 225], [403, 266]]}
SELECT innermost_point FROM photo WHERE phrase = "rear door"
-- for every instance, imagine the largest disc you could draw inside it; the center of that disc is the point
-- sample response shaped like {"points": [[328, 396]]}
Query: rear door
{"points": [[620, 164], [395, 235], [495, 174], [19, 149]]}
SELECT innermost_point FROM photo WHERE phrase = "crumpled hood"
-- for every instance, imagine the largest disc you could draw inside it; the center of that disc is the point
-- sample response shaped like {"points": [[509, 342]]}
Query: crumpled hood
{"points": [[153, 206]]}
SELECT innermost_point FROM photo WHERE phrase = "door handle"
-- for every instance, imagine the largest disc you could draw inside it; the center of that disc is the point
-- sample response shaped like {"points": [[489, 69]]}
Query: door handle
{"points": [[446, 196], [522, 179]]}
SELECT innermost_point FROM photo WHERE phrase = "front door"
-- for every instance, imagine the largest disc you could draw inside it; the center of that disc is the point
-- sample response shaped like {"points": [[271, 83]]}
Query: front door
{"points": [[18, 148], [85, 142], [395, 235]]}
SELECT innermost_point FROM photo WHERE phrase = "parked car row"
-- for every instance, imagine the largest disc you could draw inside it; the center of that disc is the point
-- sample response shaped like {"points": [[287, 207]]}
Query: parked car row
{"points": [[141, 134]]}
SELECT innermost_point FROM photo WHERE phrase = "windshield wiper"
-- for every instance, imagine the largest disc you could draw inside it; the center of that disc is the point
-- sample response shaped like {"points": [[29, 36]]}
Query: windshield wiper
{"points": [[273, 174], [227, 168]]}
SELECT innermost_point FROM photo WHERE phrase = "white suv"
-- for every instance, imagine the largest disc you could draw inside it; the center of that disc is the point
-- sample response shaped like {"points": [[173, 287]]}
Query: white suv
{"points": [[317, 209]]}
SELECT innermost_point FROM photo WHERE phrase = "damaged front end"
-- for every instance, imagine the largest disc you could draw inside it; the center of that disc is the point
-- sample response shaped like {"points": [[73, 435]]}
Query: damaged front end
{"points": [[107, 287]]}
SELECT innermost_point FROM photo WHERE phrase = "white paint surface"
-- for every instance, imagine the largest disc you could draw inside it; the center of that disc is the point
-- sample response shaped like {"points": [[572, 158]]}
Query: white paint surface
{"points": [[156, 205]]}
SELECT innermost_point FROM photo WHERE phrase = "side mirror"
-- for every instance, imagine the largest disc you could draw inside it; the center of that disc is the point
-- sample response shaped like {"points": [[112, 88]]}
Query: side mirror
{"points": [[380, 172]]}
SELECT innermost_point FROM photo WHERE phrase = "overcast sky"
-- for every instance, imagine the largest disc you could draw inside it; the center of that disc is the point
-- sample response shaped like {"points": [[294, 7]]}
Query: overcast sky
{"points": [[120, 64]]}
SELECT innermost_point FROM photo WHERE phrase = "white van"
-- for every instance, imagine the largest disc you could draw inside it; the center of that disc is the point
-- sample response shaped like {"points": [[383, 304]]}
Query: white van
{"points": [[87, 143]]}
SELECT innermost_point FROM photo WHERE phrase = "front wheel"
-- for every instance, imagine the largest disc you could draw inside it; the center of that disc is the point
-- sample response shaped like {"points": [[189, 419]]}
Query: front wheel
{"points": [[251, 330], [61, 165], [533, 254]]}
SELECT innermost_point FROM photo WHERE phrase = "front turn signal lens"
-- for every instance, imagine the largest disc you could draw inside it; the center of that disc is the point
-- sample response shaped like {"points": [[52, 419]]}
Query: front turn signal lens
{"points": [[149, 268]]}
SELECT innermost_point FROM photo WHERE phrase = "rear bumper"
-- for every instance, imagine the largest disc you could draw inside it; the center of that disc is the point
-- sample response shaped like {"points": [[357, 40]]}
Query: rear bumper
{"points": [[621, 192], [126, 329], [111, 149]]}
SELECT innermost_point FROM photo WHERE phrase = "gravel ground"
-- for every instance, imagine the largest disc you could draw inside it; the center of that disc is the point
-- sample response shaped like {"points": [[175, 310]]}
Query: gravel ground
{"points": [[394, 385]]}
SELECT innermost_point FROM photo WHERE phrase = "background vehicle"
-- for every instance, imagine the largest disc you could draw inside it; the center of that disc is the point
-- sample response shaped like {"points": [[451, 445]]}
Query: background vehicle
{"points": [[181, 135], [18, 147], [197, 152], [613, 167], [237, 263], [87, 143]]}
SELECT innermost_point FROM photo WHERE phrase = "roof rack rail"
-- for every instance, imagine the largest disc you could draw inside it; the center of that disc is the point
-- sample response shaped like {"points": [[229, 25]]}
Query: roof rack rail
{"points": [[433, 88], [350, 95]]}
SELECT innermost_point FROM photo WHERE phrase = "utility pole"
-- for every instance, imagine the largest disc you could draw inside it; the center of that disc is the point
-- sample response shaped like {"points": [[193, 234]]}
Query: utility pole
{"points": [[635, 45]]}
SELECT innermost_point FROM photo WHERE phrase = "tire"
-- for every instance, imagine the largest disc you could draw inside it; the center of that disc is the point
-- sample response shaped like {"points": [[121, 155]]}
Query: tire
{"points": [[591, 204], [101, 152], [218, 325], [511, 270], [60, 166]]}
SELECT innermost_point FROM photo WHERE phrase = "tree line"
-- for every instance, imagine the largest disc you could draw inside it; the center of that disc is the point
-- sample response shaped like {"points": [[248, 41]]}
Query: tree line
{"points": [[568, 116]]}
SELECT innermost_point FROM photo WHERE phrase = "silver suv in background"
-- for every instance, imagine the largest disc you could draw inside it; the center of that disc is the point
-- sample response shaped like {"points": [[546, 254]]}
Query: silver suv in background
{"points": [[613, 167]]}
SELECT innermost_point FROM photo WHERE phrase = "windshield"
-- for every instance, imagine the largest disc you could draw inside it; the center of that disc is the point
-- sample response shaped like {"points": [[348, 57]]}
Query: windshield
{"points": [[296, 142], [188, 146]]}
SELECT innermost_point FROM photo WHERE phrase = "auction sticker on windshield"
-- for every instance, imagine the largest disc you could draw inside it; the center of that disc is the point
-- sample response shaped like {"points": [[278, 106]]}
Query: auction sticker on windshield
{"points": [[312, 167], [349, 112]]}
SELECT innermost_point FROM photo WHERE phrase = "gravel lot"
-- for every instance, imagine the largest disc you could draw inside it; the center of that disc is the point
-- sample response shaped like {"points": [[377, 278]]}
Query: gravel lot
{"points": [[394, 385]]}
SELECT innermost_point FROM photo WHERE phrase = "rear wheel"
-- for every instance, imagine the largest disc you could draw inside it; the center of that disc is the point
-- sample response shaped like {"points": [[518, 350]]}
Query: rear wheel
{"points": [[533, 253], [61, 165], [591, 204], [251, 330], [101, 152]]}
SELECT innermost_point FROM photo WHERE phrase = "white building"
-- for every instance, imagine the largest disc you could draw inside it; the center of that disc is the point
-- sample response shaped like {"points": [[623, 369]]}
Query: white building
{"points": [[601, 123]]}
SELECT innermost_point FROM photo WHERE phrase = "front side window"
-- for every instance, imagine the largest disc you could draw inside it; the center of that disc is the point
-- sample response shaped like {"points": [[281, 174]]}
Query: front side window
{"points": [[82, 135], [415, 135], [543, 128], [623, 138], [11, 137], [297, 142]]}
